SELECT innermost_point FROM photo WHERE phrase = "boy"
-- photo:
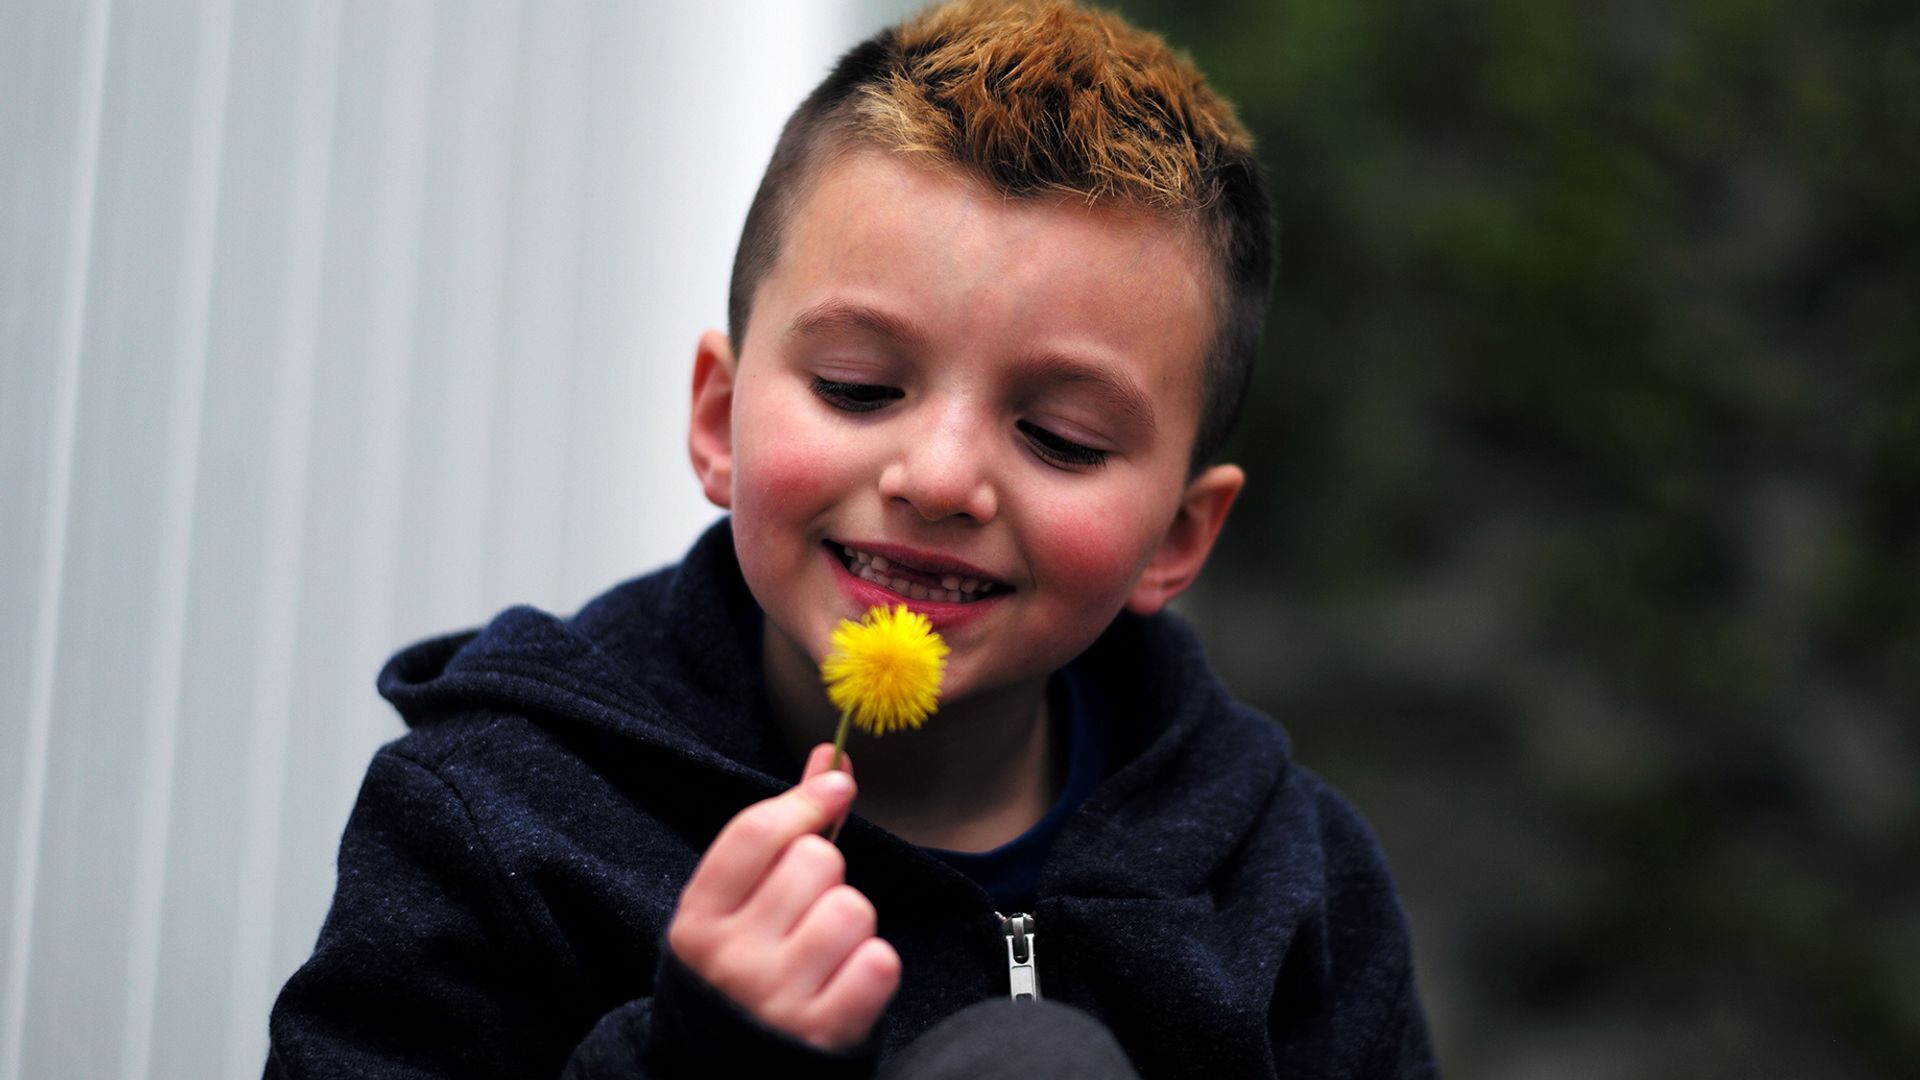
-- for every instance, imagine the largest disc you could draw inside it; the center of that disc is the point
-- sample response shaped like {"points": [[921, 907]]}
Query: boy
{"points": [[991, 316]]}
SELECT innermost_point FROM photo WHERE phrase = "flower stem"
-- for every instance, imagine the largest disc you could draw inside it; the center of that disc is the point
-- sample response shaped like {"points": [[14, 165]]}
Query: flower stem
{"points": [[840, 736]]}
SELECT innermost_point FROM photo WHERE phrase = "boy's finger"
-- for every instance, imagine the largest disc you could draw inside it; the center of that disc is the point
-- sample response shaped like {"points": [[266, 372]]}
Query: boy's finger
{"points": [[805, 869], [749, 844], [859, 989], [819, 761], [834, 923]]}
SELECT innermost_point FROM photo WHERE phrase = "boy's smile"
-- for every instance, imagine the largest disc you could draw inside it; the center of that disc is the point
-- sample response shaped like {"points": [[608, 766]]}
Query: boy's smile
{"points": [[979, 407], [947, 591]]}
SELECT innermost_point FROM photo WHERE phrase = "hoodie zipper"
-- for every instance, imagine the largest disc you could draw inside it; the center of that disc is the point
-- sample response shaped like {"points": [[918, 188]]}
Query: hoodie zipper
{"points": [[1023, 977]]}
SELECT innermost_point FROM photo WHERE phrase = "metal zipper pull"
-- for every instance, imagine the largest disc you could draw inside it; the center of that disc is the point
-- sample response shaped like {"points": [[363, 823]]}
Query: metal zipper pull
{"points": [[1023, 978]]}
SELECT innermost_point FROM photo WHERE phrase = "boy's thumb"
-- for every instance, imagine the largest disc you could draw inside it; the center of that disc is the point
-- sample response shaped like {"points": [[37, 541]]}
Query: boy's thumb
{"points": [[819, 761]]}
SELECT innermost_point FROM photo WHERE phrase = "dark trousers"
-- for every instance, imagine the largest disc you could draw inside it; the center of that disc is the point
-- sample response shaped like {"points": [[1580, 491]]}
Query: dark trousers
{"points": [[1002, 1039]]}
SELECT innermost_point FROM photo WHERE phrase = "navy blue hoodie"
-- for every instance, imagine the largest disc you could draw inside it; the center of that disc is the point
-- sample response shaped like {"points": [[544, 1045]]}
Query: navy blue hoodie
{"points": [[510, 867]]}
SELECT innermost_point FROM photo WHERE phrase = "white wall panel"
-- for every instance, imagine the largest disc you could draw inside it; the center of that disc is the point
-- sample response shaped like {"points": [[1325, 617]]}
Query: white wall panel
{"points": [[70, 846], [324, 326], [56, 65], [176, 850]]}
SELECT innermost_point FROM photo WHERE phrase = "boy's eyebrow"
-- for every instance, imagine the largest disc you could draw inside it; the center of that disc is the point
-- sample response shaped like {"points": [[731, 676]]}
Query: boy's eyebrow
{"points": [[829, 316]]}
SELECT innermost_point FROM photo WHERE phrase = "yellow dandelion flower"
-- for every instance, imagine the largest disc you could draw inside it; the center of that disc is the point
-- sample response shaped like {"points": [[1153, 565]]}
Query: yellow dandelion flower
{"points": [[883, 672]]}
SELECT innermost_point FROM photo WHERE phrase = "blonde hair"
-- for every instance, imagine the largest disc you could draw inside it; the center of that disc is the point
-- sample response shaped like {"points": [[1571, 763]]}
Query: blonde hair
{"points": [[1035, 98]]}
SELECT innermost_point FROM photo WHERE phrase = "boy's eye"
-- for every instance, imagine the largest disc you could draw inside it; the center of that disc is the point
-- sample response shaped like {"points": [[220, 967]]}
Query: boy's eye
{"points": [[855, 397], [1062, 452]]}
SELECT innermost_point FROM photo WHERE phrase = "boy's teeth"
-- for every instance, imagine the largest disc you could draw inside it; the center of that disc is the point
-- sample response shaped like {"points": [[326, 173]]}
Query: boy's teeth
{"points": [[956, 590]]}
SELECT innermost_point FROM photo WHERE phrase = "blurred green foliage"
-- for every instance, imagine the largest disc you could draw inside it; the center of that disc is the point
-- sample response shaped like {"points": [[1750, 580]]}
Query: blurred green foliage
{"points": [[1582, 540]]}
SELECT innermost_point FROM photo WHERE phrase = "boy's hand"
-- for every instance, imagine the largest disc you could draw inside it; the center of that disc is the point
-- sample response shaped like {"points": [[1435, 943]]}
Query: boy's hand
{"points": [[768, 919]]}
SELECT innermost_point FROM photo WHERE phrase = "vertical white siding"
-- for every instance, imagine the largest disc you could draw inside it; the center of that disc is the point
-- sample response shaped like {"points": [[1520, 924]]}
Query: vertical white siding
{"points": [[323, 326]]}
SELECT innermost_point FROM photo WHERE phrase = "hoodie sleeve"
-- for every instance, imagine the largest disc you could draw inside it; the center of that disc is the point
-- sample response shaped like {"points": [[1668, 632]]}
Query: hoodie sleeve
{"points": [[425, 968], [420, 966], [688, 1028], [1347, 1004]]}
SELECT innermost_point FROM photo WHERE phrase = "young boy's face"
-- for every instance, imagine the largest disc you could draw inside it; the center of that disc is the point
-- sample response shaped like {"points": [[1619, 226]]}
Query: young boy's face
{"points": [[997, 397]]}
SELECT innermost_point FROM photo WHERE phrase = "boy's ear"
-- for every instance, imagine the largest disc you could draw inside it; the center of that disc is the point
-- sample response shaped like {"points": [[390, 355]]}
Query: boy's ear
{"points": [[1183, 551], [710, 426]]}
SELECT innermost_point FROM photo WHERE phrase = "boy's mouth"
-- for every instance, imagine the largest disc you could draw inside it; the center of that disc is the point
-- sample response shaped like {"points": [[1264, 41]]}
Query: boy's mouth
{"points": [[915, 583]]}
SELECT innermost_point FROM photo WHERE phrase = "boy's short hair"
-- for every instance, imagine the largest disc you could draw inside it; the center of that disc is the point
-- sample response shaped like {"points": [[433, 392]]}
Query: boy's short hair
{"points": [[1038, 97]]}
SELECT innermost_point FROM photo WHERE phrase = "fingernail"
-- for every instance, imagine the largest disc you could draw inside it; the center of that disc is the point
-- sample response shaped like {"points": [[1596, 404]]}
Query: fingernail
{"points": [[830, 785]]}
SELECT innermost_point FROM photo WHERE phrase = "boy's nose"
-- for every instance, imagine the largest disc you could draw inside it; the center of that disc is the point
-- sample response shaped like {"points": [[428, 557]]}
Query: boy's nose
{"points": [[942, 474]]}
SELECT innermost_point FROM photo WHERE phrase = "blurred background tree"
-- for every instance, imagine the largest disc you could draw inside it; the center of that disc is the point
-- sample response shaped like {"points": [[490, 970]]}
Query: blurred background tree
{"points": [[1582, 546]]}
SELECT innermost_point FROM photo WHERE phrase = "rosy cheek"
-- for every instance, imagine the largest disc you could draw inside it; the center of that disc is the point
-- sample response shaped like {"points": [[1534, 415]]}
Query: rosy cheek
{"points": [[781, 487], [785, 478], [1091, 555], [785, 464]]}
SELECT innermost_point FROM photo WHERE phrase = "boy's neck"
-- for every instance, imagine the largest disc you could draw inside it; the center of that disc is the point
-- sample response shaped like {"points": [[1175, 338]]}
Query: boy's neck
{"points": [[978, 774]]}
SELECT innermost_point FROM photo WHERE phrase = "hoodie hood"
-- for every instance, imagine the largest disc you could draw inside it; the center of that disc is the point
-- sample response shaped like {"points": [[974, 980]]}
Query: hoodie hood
{"points": [[670, 664]]}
